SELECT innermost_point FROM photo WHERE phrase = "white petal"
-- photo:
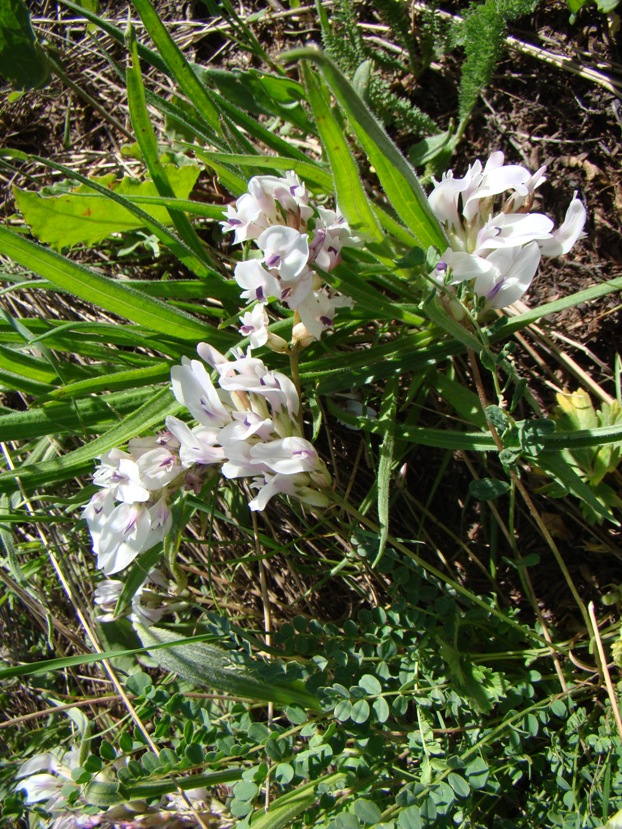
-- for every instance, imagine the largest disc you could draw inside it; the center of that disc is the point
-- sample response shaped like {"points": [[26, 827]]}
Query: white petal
{"points": [[568, 232]]}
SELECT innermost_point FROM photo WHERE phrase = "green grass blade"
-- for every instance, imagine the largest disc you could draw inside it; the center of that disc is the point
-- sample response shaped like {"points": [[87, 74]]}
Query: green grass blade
{"points": [[30, 367], [385, 464], [90, 415], [178, 66], [103, 794], [147, 141], [508, 325], [285, 809], [396, 175], [351, 196], [11, 380], [311, 173], [150, 415], [99, 290], [116, 380]]}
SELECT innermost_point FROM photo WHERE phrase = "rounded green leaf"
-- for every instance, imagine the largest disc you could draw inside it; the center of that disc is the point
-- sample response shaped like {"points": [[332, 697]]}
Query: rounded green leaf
{"points": [[360, 711], [371, 684]]}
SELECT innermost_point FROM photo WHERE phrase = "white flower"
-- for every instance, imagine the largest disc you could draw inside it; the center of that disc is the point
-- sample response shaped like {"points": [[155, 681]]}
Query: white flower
{"points": [[148, 604], [331, 234], [257, 283], [570, 231], [262, 439], [123, 536], [193, 387], [495, 241], [44, 777], [255, 326], [197, 445], [285, 251], [270, 200]]}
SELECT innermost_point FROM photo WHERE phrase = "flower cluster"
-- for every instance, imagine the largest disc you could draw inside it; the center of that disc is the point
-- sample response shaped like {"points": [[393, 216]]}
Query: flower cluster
{"points": [[293, 237], [46, 780], [130, 513], [494, 239], [247, 428], [149, 604]]}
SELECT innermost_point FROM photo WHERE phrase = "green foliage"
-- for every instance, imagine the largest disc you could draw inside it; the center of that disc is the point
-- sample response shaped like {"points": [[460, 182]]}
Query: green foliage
{"points": [[482, 34], [392, 690], [22, 60], [343, 42], [604, 6], [63, 216]]}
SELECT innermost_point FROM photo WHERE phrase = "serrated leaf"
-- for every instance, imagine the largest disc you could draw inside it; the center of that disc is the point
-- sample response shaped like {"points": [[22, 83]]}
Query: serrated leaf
{"points": [[84, 217]]}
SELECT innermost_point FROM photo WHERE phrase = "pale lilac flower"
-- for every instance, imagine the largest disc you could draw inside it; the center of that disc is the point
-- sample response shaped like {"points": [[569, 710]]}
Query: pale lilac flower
{"points": [[511, 275], [255, 326], [317, 311], [196, 445], [494, 240], [331, 233], [123, 536], [297, 486], [269, 201], [262, 439], [44, 777], [149, 603], [257, 283], [275, 213], [193, 387], [158, 467], [569, 232], [285, 251]]}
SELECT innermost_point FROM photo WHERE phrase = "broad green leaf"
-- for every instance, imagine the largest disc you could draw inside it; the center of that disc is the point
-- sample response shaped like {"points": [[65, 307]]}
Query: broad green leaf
{"points": [[22, 60], [560, 467], [262, 94], [168, 238], [82, 217], [396, 175], [209, 666], [351, 196], [487, 489], [466, 402], [99, 290]]}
